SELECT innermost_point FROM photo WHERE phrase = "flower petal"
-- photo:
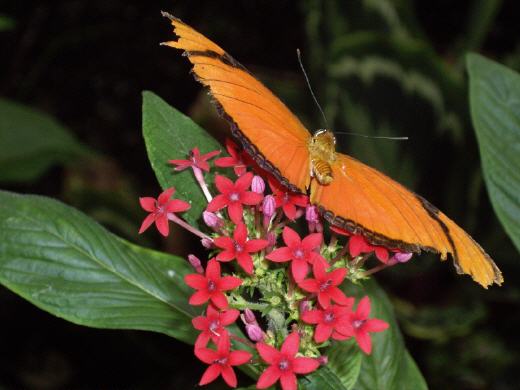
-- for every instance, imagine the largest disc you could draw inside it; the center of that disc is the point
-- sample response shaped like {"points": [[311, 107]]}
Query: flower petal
{"points": [[218, 202], [324, 299], [280, 255], [322, 333], [229, 376], [312, 241], [211, 373], [150, 218], [291, 344], [199, 298], [246, 262], [364, 342], [375, 325], [213, 270], [338, 296], [148, 203], [289, 210], [229, 316], [226, 162], [256, 245], [200, 323], [269, 354], [235, 211], [312, 316], [177, 206], [223, 184], [240, 233], [300, 200], [219, 300], [226, 243], [161, 223], [304, 365], [288, 381], [356, 245], [382, 254], [202, 340], [363, 309], [237, 358], [309, 285], [268, 378], [299, 269], [337, 276], [226, 256], [250, 198], [196, 281], [165, 196], [229, 283], [206, 355], [290, 237], [244, 182]]}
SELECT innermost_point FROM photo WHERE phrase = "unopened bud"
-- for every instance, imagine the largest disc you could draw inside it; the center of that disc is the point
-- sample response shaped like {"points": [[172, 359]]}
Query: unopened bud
{"points": [[402, 257], [211, 219], [311, 214], [249, 316], [271, 238], [269, 206], [207, 243], [258, 185], [254, 332], [304, 306], [196, 264]]}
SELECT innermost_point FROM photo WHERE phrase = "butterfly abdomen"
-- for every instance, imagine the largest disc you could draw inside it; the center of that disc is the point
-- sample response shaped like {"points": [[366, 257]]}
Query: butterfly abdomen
{"points": [[322, 150]]}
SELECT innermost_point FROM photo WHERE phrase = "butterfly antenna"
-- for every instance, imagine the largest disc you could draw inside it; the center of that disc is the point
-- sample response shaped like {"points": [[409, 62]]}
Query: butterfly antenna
{"points": [[309, 86], [373, 136]]}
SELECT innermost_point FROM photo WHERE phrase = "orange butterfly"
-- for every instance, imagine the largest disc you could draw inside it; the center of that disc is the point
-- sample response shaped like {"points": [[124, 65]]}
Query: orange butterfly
{"points": [[349, 194]]}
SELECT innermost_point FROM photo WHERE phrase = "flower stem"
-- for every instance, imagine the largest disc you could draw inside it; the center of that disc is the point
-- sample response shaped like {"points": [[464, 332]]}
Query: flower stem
{"points": [[375, 269], [172, 217], [200, 179], [242, 340]]}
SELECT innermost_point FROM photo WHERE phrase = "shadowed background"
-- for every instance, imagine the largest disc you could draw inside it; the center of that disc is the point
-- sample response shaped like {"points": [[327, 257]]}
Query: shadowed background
{"points": [[378, 67]]}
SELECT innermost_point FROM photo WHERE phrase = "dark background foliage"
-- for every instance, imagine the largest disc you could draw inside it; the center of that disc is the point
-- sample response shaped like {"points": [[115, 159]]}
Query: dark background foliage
{"points": [[378, 67]]}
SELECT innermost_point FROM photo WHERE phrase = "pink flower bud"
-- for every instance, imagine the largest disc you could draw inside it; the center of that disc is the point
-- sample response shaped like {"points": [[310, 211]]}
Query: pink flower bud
{"points": [[196, 264], [207, 243], [311, 214], [269, 206], [402, 257], [211, 219], [254, 332], [249, 317], [304, 306], [271, 238], [258, 185]]}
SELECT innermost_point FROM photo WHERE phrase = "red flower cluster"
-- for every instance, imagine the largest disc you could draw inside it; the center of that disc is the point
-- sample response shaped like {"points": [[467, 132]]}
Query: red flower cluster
{"points": [[246, 242]]}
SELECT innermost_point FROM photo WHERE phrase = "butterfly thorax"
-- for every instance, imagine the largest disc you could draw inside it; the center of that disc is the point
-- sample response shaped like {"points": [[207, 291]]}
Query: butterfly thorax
{"points": [[322, 150]]}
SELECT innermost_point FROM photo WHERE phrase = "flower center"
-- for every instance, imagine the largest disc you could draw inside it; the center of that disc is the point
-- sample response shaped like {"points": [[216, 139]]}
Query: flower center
{"points": [[238, 248], [285, 197], [328, 317], [325, 285], [358, 323], [212, 285], [298, 253], [283, 365], [234, 196], [214, 325], [222, 361]]}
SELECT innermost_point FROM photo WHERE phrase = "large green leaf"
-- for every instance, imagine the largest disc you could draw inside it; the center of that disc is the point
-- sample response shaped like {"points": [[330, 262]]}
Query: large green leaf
{"points": [[32, 141], [66, 264], [495, 111], [169, 134], [389, 366]]}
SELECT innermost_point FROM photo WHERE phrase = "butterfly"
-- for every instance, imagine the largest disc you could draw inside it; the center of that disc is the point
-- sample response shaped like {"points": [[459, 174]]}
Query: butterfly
{"points": [[349, 194]]}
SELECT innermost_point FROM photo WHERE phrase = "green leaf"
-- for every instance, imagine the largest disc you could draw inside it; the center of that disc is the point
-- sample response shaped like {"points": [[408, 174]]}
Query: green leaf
{"points": [[169, 135], [66, 264], [389, 366], [31, 142], [6, 23], [495, 112]]}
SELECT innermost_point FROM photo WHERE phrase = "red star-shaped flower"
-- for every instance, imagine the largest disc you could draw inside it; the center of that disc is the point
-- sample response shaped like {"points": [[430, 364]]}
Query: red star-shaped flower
{"points": [[283, 364], [211, 286], [196, 160], [324, 285], [358, 244], [234, 195], [331, 322], [239, 247], [300, 252], [287, 200], [221, 361], [212, 325], [159, 209], [362, 325], [236, 159]]}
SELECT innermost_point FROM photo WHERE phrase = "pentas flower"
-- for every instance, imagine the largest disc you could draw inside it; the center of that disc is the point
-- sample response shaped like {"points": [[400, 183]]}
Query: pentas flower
{"points": [[330, 322], [221, 361], [324, 285], [159, 209], [358, 244], [236, 159], [196, 160], [300, 252], [362, 325], [234, 196], [211, 286], [283, 364], [212, 325], [287, 200], [239, 248]]}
